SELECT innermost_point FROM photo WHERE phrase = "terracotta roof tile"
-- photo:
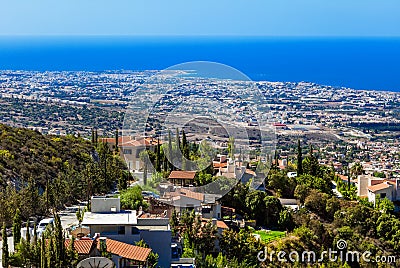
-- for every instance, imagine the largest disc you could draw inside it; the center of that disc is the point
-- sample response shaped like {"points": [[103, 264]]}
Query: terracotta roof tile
{"points": [[126, 250], [220, 165], [378, 187], [182, 175], [222, 225], [188, 193], [83, 246]]}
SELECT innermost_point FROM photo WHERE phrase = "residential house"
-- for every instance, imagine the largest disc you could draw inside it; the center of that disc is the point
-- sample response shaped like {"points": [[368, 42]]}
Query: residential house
{"points": [[122, 254], [182, 178], [131, 147], [107, 219], [373, 188]]}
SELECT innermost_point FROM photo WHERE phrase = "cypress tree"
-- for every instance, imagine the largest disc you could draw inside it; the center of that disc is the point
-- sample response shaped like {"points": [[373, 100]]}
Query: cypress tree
{"points": [[183, 167], [116, 139], [185, 145], [145, 172], [5, 255], [72, 254], [36, 247], [28, 235], [158, 156], [165, 163], [178, 140], [299, 159], [16, 228], [92, 136], [59, 241], [171, 167], [314, 165], [96, 137], [276, 159], [43, 255], [231, 147], [50, 253]]}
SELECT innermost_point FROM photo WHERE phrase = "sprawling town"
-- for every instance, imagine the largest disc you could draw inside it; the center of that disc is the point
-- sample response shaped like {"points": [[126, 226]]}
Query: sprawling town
{"points": [[141, 169]]}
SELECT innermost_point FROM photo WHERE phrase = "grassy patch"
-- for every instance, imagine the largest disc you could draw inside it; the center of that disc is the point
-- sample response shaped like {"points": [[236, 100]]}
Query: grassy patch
{"points": [[268, 236]]}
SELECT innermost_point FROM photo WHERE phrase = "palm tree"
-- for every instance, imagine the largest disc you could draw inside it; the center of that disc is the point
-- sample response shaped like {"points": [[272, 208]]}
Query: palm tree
{"points": [[356, 170]]}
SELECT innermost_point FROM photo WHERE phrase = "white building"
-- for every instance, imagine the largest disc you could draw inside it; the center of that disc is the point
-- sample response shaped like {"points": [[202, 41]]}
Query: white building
{"points": [[107, 219]]}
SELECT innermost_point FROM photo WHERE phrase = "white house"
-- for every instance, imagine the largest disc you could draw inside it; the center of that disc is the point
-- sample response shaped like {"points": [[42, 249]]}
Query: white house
{"points": [[371, 187], [109, 221]]}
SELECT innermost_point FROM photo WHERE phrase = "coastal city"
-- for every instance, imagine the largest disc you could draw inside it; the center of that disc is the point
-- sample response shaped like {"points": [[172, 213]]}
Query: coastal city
{"points": [[132, 186], [200, 134], [339, 121]]}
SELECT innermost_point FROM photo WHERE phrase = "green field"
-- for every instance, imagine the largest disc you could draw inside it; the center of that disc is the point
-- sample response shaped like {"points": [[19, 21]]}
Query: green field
{"points": [[268, 236]]}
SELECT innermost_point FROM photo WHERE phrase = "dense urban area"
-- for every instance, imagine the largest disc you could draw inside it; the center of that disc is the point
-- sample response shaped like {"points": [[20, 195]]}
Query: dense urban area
{"points": [[77, 184]]}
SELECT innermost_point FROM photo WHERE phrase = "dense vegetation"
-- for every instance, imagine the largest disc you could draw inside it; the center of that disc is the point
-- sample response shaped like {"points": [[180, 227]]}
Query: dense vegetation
{"points": [[40, 172], [322, 220]]}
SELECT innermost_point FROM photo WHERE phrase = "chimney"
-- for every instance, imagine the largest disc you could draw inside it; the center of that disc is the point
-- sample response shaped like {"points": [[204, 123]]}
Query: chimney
{"points": [[140, 212]]}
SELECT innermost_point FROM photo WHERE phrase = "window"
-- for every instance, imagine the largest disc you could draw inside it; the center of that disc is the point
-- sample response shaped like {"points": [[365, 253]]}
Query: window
{"points": [[121, 230], [382, 195], [127, 151], [135, 231], [206, 210]]}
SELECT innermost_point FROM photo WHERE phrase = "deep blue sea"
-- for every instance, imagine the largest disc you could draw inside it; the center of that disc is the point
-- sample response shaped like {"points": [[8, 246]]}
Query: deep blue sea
{"points": [[360, 63]]}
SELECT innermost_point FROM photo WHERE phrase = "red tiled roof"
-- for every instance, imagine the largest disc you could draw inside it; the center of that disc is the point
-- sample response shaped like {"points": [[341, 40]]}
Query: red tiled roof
{"points": [[222, 225], [220, 165], [378, 187], [191, 194], [182, 175], [375, 182], [82, 246], [126, 251], [186, 192]]}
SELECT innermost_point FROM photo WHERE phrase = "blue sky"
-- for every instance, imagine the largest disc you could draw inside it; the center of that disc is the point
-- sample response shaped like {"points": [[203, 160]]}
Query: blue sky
{"points": [[201, 17]]}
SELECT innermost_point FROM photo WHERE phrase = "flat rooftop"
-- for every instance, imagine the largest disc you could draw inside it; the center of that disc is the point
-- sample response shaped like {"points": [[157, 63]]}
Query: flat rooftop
{"points": [[121, 218]]}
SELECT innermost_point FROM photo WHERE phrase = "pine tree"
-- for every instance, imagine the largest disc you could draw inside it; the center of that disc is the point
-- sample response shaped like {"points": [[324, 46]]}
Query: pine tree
{"points": [[16, 228], [5, 254], [299, 159]]}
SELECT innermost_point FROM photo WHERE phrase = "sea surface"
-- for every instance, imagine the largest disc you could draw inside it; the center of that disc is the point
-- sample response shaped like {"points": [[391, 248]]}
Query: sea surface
{"points": [[360, 63]]}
